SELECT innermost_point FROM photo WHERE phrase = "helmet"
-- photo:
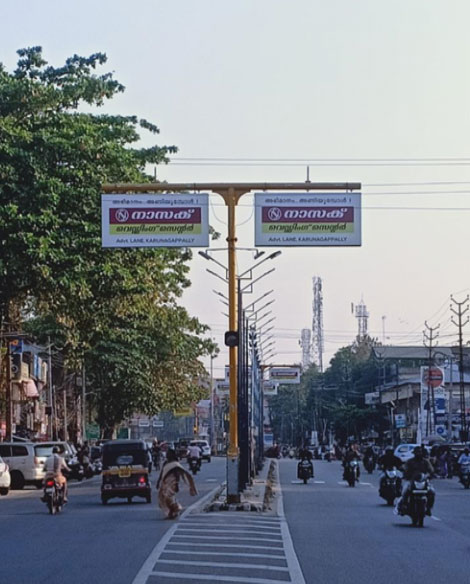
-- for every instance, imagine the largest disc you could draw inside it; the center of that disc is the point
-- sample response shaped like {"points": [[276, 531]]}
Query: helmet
{"points": [[418, 451], [389, 449], [55, 450]]}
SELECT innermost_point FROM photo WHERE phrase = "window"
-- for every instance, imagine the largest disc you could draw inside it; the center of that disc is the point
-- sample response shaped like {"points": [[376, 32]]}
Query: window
{"points": [[19, 451], [5, 450]]}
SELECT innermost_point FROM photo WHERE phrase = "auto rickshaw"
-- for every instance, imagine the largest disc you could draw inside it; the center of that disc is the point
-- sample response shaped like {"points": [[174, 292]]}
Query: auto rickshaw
{"points": [[125, 470]]}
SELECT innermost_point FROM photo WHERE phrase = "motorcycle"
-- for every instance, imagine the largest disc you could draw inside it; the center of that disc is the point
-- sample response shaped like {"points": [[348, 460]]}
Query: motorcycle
{"points": [[305, 470], [390, 486], [351, 472], [418, 499], [369, 464], [194, 464], [76, 469], [53, 496], [465, 474], [291, 453]]}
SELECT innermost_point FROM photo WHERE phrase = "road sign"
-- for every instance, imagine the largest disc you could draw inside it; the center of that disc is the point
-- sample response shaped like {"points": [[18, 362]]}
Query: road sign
{"points": [[433, 376], [400, 420]]}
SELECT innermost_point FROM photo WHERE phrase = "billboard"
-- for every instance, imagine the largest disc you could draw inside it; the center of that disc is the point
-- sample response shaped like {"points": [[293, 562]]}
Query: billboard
{"points": [[285, 375], [307, 219], [154, 220]]}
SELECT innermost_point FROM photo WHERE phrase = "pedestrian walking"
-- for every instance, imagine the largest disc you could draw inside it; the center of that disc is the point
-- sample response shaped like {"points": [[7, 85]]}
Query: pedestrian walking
{"points": [[168, 485]]}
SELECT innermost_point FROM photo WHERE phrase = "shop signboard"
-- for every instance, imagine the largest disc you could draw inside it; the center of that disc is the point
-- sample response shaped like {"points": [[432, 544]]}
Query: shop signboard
{"points": [[222, 387], [307, 219], [285, 375], [155, 220], [270, 387]]}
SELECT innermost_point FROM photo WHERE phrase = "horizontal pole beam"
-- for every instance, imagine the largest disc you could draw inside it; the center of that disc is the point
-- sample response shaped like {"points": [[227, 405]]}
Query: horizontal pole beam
{"points": [[218, 187]]}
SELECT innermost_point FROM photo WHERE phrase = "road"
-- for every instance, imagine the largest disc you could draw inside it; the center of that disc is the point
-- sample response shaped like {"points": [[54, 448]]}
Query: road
{"points": [[88, 542], [325, 532], [345, 535]]}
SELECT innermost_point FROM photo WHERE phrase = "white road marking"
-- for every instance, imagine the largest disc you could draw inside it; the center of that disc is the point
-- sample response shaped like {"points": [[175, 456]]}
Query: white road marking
{"points": [[223, 565], [218, 578], [232, 538], [227, 545], [237, 554], [221, 531], [211, 480], [435, 518], [150, 562], [292, 561], [319, 482]]}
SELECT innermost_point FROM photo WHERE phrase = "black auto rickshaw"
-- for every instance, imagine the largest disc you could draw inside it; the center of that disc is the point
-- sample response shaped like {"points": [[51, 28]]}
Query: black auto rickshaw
{"points": [[125, 470]]}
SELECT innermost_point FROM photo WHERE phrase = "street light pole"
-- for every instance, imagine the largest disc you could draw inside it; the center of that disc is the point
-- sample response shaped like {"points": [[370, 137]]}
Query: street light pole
{"points": [[231, 193]]}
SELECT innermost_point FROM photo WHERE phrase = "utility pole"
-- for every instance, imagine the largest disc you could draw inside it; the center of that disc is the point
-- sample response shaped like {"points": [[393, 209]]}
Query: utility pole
{"points": [[459, 314], [430, 336], [49, 392]]}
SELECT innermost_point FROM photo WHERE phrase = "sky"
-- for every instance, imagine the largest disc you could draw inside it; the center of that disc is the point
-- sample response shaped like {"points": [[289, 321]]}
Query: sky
{"points": [[367, 91]]}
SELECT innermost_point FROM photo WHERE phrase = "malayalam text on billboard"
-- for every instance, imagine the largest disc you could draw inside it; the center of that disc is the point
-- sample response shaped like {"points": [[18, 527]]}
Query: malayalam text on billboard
{"points": [[307, 219], [154, 220]]}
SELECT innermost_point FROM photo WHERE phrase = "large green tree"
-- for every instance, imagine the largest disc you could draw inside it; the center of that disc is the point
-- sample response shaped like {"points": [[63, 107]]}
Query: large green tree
{"points": [[117, 310]]}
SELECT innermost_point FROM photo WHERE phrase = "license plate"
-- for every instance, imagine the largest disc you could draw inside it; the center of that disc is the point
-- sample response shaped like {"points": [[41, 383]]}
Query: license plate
{"points": [[420, 492], [49, 491], [125, 472]]}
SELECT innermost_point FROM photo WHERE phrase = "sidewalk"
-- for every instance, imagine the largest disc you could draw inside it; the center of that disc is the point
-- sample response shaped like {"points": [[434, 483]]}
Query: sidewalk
{"points": [[259, 497]]}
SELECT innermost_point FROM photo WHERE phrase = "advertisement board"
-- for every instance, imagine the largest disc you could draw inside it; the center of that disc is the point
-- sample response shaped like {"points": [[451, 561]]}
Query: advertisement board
{"points": [[269, 387], [285, 375], [307, 219], [222, 387], [154, 220]]}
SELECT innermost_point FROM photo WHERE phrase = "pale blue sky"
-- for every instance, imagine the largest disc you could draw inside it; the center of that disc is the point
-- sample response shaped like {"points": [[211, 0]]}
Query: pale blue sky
{"points": [[300, 79]]}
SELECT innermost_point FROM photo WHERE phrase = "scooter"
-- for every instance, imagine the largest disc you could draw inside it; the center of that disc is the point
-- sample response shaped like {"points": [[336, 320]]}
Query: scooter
{"points": [[390, 485], [351, 472], [305, 470], [418, 499], [194, 464], [53, 496], [369, 464], [465, 474]]}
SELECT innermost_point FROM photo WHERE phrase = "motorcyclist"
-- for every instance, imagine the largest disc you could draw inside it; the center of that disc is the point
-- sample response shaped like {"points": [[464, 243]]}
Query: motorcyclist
{"points": [[464, 458], [194, 452], [350, 455], [305, 454], [156, 453], [388, 461], [54, 466], [416, 465]]}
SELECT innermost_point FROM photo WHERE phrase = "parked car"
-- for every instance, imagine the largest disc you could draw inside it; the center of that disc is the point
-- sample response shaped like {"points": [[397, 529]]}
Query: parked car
{"points": [[26, 463], [204, 447], [5, 478]]}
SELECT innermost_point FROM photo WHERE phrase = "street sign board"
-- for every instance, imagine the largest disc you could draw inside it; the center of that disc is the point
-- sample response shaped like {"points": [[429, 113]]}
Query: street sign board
{"points": [[400, 420], [285, 375], [433, 376], [307, 219], [270, 387], [222, 387], [155, 220]]}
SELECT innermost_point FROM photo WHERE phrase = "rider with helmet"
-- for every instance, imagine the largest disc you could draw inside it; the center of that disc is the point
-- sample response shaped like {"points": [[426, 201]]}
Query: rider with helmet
{"points": [[419, 464]]}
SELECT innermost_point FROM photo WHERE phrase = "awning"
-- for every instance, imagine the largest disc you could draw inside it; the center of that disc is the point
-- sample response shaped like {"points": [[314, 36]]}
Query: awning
{"points": [[29, 388]]}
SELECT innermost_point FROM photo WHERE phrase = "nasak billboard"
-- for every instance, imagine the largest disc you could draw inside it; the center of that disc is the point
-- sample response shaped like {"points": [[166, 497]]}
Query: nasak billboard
{"points": [[307, 219], [154, 220]]}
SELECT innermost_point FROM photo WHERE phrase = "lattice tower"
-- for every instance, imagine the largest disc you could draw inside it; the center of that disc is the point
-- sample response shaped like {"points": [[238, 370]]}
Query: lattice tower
{"points": [[306, 344], [362, 319], [317, 323]]}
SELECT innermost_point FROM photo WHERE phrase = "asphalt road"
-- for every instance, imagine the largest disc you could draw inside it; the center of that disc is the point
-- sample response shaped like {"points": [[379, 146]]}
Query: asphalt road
{"points": [[89, 542], [345, 535]]}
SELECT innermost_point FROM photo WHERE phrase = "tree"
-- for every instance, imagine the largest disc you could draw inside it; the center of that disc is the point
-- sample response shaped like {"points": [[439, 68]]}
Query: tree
{"points": [[115, 310]]}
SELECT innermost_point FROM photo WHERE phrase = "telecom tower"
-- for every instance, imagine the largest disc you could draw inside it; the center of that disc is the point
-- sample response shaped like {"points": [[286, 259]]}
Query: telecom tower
{"points": [[306, 344], [317, 323], [362, 318]]}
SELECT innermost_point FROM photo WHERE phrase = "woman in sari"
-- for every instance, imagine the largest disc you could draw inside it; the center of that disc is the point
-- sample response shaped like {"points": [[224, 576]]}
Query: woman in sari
{"points": [[168, 485]]}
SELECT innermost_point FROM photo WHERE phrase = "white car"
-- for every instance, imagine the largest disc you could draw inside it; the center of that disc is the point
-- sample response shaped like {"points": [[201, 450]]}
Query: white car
{"points": [[5, 479], [405, 451], [204, 447]]}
